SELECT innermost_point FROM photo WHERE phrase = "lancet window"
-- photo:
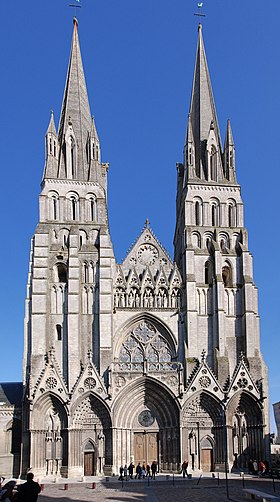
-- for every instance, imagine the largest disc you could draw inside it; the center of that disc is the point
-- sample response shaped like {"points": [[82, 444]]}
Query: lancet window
{"points": [[213, 164]]}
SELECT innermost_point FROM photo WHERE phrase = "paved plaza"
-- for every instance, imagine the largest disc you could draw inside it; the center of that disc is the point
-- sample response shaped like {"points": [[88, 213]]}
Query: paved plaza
{"points": [[163, 489]]}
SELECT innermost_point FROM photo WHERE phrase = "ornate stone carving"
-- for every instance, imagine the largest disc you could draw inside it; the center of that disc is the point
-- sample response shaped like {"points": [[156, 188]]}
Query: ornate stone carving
{"points": [[120, 381], [51, 383], [146, 418], [242, 383], [204, 381], [147, 254], [90, 383]]}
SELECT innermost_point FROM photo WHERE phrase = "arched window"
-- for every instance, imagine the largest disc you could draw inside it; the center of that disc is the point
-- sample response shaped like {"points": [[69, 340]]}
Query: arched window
{"points": [[197, 218], [50, 146], [85, 272], [231, 215], [92, 202], [214, 214], [62, 272], [73, 208], [93, 150], [55, 208], [213, 164], [59, 332], [54, 148]]}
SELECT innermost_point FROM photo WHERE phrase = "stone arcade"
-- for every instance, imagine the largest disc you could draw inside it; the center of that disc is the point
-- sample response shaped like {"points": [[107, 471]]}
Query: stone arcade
{"points": [[149, 359]]}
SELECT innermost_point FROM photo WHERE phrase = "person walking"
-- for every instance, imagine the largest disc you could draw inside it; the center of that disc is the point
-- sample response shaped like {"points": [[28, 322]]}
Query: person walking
{"points": [[125, 472], [29, 491], [121, 473], [154, 469], [138, 471], [184, 468], [130, 470]]}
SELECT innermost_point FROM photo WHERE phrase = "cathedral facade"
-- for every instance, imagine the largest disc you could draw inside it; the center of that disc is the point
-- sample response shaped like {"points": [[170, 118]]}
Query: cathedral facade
{"points": [[150, 359]]}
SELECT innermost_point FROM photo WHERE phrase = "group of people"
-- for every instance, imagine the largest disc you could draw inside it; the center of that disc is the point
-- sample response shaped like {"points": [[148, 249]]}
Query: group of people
{"points": [[260, 468], [141, 472], [25, 492]]}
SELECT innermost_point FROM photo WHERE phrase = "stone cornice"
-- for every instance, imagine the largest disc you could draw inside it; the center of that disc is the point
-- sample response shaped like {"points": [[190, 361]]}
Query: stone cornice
{"points": [[215, 188], [73, 183]]}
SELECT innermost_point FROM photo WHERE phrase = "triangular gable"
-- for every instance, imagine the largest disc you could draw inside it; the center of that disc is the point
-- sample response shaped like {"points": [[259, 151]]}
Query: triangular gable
{"points": [[147, 251], [242, 380], [204, 379], [161, 279], [50, 379], [89, 380]]}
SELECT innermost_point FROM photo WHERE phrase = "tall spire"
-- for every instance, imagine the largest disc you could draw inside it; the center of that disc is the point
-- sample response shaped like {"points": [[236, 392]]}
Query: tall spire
{"points": [[202, 110], [75, 119]]}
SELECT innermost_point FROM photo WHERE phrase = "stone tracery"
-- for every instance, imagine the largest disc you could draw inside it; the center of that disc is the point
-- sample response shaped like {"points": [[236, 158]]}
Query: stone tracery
{"points": [[145, 343]]}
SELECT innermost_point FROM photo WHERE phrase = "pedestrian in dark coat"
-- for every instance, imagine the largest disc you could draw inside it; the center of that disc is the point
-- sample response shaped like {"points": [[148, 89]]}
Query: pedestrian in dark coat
{"points": [[29, 491]]}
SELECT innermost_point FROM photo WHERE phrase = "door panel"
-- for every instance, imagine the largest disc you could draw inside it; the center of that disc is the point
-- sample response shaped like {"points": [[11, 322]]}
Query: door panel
{"points": [[145, 447], [206, 460], [89, 464]]}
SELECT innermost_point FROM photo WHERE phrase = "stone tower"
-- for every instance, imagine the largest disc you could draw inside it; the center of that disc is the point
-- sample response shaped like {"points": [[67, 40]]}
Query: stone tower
{"points": [[212, 255], [148, 360], [69, 295]]}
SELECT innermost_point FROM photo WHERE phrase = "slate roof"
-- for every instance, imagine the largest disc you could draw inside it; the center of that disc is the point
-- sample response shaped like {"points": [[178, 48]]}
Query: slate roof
{"points": [[11, 394]]}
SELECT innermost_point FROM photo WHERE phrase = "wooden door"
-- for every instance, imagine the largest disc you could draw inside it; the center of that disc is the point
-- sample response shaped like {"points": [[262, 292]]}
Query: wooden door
{"points": [[89, 464], [145, 447], [206, 460]]}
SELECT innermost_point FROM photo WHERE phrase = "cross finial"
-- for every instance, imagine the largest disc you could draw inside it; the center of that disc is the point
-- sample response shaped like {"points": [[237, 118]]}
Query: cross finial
{"points": [[200, 14], [75, 5]]}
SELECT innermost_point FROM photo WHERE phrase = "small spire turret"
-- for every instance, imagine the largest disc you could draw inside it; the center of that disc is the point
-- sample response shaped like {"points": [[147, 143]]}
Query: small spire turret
{"points": [[229, 155], [189, 153], [51, 164], [94, 153]]}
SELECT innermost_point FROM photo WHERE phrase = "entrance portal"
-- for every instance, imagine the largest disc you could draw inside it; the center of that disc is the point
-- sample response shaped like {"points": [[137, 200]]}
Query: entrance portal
{"points": [[89, 460], [206, 455], [145, 447]]}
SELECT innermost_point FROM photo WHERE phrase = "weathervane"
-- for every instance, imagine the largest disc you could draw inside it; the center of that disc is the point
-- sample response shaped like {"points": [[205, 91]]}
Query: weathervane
{"points": [[200, 13], [75, 5]]}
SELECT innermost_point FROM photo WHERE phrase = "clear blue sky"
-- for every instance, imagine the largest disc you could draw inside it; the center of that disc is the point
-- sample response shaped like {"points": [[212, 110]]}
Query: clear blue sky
{"points": [[138, 59]]}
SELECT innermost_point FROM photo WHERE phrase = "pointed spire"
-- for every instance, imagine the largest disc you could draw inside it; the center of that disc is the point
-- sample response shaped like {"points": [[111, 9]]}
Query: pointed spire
{"points": [[51, 127], [51, 164], [229, 154], [189, 153], [202, 109], [75, 120]]}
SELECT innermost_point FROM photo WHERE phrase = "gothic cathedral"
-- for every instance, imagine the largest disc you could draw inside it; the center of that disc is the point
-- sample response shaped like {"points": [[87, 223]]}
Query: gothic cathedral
{"points": [[150, 359]]}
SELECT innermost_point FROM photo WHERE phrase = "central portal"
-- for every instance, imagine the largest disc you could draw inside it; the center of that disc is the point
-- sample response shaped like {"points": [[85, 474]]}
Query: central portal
{"points": [[145, 447]]}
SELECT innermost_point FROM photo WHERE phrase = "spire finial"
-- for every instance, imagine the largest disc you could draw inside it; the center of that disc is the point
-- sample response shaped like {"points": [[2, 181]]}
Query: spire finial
{"points": [[75, 5], [147, 223], [199, 14]]}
